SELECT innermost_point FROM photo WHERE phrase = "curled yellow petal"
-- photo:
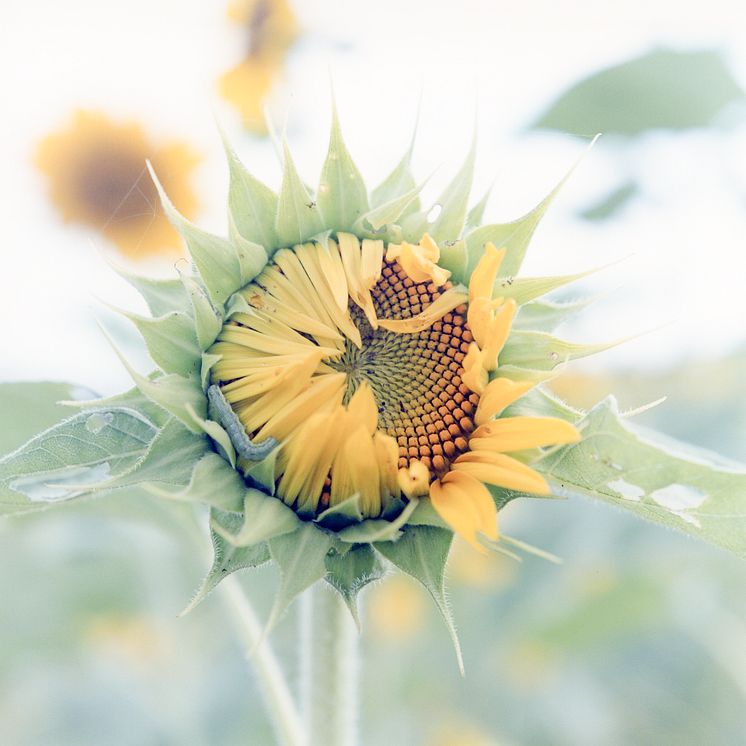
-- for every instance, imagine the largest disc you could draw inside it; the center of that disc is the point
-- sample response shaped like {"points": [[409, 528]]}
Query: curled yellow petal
{"points": [[419, 261], [485, 273], [497, 333], [414, 480], [519, 433], [466, 506], [497, 395], [445, 303], [501, 471], [474, 374]]}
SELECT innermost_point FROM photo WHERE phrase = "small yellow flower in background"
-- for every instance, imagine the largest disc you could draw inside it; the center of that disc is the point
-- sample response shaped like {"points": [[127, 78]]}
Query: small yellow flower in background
{"points": [[271, 28], [134, 638], [460, 733], [396, 609], [97, 176], [478, 570]]}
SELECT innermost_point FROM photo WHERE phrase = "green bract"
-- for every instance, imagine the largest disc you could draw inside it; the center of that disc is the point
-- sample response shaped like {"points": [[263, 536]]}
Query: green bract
{"points": [[160, 435]]}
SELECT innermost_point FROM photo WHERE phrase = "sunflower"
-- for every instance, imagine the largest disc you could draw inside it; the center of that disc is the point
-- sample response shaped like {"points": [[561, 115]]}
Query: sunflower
{"points": [[271, 29], [370, 369], [97, 176]]}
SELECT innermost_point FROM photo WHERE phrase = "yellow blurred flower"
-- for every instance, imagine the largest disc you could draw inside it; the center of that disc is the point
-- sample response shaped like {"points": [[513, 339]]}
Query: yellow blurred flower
{"points": [[396, 609], [478, 570], [271, 28], [134, 638], [97, 176], [458, 733]]}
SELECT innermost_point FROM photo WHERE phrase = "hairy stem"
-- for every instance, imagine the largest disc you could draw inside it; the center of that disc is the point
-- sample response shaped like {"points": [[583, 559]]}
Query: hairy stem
{"points": [[277, 697], [330, 662]]}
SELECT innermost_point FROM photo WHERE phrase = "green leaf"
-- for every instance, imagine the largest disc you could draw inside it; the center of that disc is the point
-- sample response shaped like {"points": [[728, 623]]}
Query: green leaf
{"points": [[514, 236], [214, 257], [454, 201], [349, 573], [301, 557], [542, 351], [342, 195], [653, 477], [208, 321], [612, 203], [265, 518], [30, 407], [213, 482], [422, 552], [298, 216], [227, 557], [171, 341], [670, 90], [263, 472], [72, 457], [168, 459], [252, 205]]}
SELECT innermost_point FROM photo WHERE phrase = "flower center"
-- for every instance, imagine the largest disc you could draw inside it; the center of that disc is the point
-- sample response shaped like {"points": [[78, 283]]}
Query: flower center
{"points": [[415, 378], [353, 364]]}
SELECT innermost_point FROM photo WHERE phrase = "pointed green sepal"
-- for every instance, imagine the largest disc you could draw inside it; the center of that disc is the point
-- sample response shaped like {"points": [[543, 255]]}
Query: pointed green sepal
{"points": [[542, 351], [547, 315], [342, 195], [252, 205], [349, 573], [298, 216], [265, 518], [262, 472], [453, 258], [422, 553], [343, 514], [214, 257], [171, 341], [217, 433], [454, 201], [213, 482], [208, 320], [301, 556], [227, 557], [514, 236], [377, 529], [476, 215], [399, 182], [162, 296], [252, 257], [389, 212]]}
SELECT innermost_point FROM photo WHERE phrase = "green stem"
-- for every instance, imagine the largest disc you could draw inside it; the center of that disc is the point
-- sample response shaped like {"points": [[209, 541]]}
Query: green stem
{"points": [[330, 662], [277, 697]]}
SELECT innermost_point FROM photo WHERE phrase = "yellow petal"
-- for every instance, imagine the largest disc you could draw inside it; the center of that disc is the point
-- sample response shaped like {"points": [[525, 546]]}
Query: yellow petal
{"points": [[485, 273], [387, 455], [362, 407], [442, 305], [479, 317], [498, 332], [502, 471], [466, 506], [419, 261], [518, 433], [498, 394], [414, 480], [474, 374]]}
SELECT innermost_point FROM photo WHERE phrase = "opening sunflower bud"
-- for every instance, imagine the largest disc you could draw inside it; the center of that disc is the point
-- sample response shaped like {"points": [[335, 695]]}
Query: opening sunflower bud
{"points": [[368, 369]]}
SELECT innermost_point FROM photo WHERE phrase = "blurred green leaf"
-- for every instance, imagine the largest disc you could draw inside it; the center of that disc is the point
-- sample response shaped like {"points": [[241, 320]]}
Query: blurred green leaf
{"points": [[612, 203], [653, 477], [30, 407], [663, 89]]}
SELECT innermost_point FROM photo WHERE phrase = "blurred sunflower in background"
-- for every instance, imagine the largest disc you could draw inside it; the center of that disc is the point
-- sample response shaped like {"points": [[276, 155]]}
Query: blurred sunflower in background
{"points": [[96, 176], [271, 29]]}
